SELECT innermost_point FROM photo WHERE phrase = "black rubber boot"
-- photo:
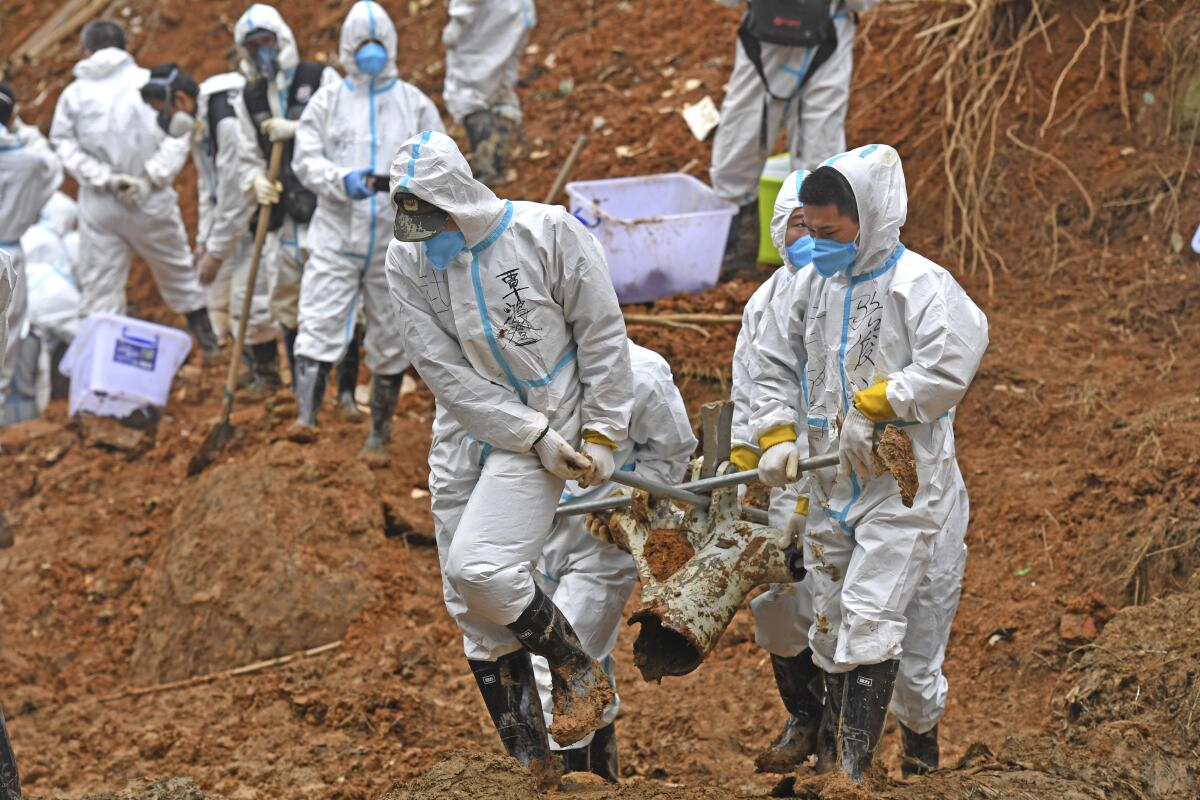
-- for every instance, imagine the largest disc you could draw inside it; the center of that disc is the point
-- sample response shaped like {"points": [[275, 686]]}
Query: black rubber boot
{"points": [[385, 389], [920, 752], [264, 366], [347, 379], [602, 753], [511, 696], [507, 132], [289, 349], [577, 759], [310, 390], [485, 144], [201, 328], [580, 687], [864, 708], [827, 733], [10, 780], [801, 686], [741, 248]]}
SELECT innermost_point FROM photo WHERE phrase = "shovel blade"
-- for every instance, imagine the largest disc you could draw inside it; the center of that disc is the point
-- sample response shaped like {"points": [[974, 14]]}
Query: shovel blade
{"points": [[211, 448]]}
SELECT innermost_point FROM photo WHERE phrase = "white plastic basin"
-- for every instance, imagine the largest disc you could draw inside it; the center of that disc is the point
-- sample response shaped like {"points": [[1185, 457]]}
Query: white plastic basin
{"points": [[662, 234], [120, 364]]}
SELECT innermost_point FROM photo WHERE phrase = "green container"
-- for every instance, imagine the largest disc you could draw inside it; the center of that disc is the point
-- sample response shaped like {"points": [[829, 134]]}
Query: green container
{"points": [[774, 171]]}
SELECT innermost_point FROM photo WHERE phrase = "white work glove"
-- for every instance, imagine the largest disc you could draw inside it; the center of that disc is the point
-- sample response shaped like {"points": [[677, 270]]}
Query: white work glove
{"points": [[277, 128], [452, 32], [793, 532], [779, 465], [597, 526], [856, 445], [601, 467], [559, 458], [266, 191], [130, 190]]}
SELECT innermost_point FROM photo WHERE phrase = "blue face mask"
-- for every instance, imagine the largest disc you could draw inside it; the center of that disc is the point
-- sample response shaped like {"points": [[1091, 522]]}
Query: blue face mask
{"points": [[371, 58], [830, 257], [799, 252], [265, 62], [441, 249]]}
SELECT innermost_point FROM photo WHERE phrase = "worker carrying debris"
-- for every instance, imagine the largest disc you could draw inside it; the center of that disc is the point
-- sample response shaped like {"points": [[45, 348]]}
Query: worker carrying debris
{"points": [[484, 41], [348, 134], [112, 144], [32, 173], [508, 313], [791, 71], [889, 337], [279, 84]]}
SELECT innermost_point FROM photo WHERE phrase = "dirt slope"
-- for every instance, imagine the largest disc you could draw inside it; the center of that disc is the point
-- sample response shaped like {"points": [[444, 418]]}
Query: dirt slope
{"points": [[1077, 443]]}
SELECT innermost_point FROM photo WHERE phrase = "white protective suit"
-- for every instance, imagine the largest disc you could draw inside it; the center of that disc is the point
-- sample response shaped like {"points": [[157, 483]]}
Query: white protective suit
{"points": [[590, 580], [483, 60], [814, 115], [358, 123], [520, 331], [8, 282], [286, 253], [225, 214], [101, 128], [885, 578], [783, 613], [31, 174]]}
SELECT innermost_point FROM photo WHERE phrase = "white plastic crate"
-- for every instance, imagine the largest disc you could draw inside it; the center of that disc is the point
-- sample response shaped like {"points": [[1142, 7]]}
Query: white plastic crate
{"points": [[119, 364], [662, 234]]}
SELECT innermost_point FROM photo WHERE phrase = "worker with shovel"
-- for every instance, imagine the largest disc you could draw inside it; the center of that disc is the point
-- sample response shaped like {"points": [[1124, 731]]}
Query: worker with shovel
{"points": [[889, 337], [509, 315], [348, 134], [204, 113]]}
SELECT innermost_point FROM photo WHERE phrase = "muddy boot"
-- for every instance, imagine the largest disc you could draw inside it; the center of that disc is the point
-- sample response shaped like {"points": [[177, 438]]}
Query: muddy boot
{"points": [[920, 752], [830, 719], [347, 380], [384, 391], [511, 696], [741, 248], [484, 141], [864, 709], [795, 676], [577, 759], [201, 328], [579, 685], [289, 349], [507, 133], [602, 753], [264, 366], [310, 391], [10, 781]]}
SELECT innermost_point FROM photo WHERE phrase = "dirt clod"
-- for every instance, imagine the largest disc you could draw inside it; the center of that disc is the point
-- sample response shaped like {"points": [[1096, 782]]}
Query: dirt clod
{"points": [[666, 551], [161, 789], [469, 774], [894, 454]]}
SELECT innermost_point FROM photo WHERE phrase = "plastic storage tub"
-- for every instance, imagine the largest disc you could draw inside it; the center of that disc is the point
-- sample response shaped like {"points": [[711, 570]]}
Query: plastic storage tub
{"points": [[119, 364], [774, 172], [662, 234]]}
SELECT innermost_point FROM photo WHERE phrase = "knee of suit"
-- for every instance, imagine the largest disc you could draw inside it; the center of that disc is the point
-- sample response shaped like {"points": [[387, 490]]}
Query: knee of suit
{"points": [[484, 584]]}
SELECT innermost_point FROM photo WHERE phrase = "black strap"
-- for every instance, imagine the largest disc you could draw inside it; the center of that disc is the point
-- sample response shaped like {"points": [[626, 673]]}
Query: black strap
{"points": [[219, 108]]}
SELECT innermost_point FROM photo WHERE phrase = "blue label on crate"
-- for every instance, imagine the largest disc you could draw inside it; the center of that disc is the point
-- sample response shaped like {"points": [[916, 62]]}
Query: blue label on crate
{"points": [[136, 352]]}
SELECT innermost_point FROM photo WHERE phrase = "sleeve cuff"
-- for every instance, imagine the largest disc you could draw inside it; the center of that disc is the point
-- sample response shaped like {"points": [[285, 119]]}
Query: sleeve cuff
{"points": [[802, 505], [784, 433], [744, 458], [595, 437], [873, 403]]}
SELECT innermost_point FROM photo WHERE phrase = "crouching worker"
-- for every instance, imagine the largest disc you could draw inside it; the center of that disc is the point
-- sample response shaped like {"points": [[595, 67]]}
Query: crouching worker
{"points": [[890, 337], [508, 313], [590, 578]]}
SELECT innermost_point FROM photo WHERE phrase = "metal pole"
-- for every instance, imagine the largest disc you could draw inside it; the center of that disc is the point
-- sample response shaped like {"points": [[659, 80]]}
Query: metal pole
{"points": [[633, 480]]}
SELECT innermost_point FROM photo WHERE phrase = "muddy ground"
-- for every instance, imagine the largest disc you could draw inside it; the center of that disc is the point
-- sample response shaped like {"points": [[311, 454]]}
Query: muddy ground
{"points": [[1073, 665]]}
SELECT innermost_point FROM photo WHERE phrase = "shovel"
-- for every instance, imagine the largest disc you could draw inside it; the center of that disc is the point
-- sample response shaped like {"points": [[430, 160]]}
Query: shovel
{"points": [[219, 436]]}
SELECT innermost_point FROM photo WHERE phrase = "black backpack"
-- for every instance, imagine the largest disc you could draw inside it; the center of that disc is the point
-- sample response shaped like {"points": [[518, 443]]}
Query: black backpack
{"points": [[298, 202], [219, 108]]}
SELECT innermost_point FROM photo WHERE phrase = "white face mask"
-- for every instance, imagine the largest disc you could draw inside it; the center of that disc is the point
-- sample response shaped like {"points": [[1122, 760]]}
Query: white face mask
{"points": [[182, 124]]}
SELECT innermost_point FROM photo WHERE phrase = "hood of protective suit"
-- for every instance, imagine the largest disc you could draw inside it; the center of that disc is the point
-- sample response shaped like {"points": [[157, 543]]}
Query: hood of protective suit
{"points": [[431, 166], [262, 16], [59, 214], [876, 175], [103, 63], [221, 82], [787, 201], [367, 21]]}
